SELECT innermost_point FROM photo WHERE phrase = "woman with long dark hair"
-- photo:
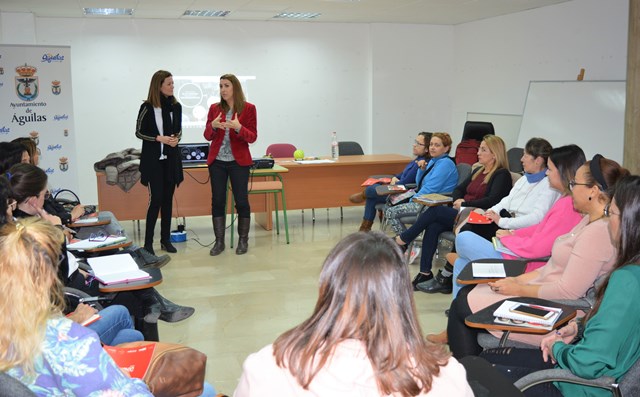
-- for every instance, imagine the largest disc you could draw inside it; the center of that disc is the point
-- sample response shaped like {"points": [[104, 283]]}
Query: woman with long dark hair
{"points": [[362, 339], [231, 127], [534, 241], [159, 125], [577, 260], [606, 342]]}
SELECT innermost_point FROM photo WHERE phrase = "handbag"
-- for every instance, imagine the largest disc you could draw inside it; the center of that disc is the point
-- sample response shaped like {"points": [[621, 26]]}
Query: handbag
{"points": [[168, 369]]}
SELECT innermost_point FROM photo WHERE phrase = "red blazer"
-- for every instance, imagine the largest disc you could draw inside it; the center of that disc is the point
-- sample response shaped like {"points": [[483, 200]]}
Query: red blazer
{"points": [[239, 141]]}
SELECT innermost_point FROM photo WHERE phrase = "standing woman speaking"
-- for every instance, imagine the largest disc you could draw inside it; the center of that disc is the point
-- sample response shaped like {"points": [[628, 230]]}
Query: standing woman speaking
{"points": [[159, 126], [231, 127]]}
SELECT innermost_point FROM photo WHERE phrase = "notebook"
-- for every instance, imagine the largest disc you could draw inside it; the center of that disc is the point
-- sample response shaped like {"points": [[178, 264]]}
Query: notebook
{"points": [[193, 154]]}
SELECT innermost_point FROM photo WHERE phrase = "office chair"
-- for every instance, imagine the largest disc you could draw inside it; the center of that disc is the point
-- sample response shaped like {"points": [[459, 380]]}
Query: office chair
{"points": [[350, 148], [12, 387], [513, 156], [477, 130], [472, 134], [277, 150]]}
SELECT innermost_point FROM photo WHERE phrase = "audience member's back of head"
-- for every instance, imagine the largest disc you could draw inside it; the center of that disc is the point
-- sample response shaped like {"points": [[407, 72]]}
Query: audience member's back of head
{"points": [[31, 291], [365, 294], [30, 146], [10, 154], [26, 181]]}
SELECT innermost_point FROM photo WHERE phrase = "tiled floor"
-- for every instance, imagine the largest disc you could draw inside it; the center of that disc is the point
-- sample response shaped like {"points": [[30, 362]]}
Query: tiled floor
{"points": [[244, 302]]}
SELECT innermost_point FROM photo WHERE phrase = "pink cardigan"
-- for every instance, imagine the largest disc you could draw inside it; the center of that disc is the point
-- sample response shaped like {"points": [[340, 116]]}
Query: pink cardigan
{"points": [[536, 241], [348, 373], [577, 260]]}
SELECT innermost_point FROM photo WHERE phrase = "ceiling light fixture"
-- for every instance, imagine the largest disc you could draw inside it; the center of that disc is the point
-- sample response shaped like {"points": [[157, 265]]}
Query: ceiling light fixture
{"points": [[298, 15], [205, 13], [107, 11]]}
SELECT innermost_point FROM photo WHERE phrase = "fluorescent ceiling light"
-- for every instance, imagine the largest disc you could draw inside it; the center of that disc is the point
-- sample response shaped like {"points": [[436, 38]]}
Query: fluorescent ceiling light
{"points": [[298, 15], [107, 11], [205, 13]]}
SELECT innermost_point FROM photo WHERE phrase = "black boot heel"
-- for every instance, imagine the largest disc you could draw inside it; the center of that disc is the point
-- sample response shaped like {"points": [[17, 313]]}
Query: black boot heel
{"points": [[167, 246]]}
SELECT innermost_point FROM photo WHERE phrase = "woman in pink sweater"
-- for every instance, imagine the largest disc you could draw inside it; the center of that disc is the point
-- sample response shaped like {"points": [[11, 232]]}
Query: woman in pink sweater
{"points": [[363, 338], [534, 241], [577, 260]]}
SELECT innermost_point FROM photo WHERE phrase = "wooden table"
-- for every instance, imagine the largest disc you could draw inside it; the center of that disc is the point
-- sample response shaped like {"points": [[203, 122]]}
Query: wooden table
{"points": [[306, 186]]}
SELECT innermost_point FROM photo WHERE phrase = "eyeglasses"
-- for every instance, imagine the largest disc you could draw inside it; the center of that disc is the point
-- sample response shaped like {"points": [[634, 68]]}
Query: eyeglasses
{"points": [[418, 143], [12, 204], [99, 236], [608, 212], [61, 258], [47, 194], [573, 183]]}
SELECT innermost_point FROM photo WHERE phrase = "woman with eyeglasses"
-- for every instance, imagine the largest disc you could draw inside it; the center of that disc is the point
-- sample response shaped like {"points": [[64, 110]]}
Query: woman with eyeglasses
{"points": [[370, 196], [438, 175], [534, 241], [577, 260], [486, 185], [605, 342], [28, 185]]}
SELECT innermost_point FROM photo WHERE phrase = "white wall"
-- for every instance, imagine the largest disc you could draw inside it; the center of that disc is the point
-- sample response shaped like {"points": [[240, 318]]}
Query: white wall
{"points": [[496, 58], [412, 83]]}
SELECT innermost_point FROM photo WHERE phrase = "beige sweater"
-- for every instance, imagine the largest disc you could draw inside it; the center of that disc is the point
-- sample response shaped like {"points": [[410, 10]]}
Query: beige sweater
{"points": [[348, 373]]}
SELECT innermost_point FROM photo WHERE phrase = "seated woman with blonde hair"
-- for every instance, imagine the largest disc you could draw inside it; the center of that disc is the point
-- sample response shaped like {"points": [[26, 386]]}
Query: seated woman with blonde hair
{"points": [[362, 339], [47, 352]]}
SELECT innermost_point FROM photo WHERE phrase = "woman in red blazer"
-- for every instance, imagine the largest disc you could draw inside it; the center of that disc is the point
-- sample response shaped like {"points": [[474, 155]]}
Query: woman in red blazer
{"points": [[231, 127]]}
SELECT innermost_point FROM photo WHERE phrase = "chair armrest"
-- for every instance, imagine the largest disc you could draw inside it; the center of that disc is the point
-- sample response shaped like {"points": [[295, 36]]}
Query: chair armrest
{"points": [[563, 375], [410, 185]]}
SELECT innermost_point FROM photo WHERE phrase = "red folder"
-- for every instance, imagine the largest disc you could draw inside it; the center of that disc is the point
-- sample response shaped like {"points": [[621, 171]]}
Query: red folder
{"points": [[478, 219]]}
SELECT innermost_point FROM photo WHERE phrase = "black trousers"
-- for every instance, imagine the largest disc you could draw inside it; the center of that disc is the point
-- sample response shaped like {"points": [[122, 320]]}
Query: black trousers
{"points": [[515, 363], [161, 190], [463, 340], [222, 171]]}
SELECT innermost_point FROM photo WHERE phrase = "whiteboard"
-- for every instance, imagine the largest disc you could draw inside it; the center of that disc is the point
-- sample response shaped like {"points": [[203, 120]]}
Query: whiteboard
{"points": [[507, 126], [587, 113]]}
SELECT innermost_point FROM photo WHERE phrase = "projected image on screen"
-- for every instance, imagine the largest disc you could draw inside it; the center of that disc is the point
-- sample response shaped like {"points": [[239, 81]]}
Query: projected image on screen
{"points": [[198, 93]]}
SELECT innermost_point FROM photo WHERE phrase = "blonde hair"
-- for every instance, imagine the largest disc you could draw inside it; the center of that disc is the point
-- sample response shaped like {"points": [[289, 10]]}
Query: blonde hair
{"points": [[497, 148], [30, 291]]}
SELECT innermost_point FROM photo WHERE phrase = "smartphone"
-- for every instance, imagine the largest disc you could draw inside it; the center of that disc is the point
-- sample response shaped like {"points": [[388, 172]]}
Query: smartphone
{"points": [[534, 311]]}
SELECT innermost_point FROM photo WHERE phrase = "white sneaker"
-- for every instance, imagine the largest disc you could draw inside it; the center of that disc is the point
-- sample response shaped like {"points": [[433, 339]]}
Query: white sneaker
{"points": [[413, 254]]}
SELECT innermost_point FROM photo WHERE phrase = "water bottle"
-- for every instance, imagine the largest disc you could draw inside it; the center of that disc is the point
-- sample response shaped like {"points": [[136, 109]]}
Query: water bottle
{"points": [[335, 151]]}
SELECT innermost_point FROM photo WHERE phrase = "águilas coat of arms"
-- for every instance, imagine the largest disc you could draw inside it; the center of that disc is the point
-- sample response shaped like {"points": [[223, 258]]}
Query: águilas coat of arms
{"points": [[26, 82], [55, 87], [64, 164]]}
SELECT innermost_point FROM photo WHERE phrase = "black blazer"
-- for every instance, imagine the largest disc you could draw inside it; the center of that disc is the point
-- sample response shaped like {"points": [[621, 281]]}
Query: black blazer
{"points": [[498, 187], [147, 130]]}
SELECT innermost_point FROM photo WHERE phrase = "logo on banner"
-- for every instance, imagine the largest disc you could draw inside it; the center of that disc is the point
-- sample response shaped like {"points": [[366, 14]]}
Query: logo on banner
{"points": [[49, 57], [26, 82], [55, 87], [35, 137], [64, 165], [5, 130]]}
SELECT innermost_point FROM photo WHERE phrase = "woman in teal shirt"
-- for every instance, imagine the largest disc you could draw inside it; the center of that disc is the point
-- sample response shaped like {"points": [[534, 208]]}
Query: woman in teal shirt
{"points": [[606, 342]]}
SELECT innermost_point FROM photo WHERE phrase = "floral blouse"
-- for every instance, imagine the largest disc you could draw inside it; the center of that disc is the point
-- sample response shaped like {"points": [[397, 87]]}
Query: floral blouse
{"points": [[73, 363]]}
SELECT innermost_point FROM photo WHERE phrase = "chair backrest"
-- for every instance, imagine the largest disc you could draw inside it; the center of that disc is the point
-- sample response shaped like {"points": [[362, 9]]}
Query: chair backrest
{"points": [[477, 130], [630, 382], [11, 387], [350, 148], [281, 150], [513, 156], [464, 170]]}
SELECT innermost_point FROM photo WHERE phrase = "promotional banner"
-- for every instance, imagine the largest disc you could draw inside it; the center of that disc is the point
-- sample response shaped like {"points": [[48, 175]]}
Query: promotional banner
{"points": [[36, 102]]}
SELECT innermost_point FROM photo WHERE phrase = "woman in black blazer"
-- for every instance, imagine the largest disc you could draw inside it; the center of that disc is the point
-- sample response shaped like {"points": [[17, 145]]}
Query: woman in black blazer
{"points": [[159, 126]]}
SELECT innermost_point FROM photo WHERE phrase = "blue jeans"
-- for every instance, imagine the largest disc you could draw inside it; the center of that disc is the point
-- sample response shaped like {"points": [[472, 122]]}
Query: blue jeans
{"points": [[208, 390], [433, 221], [372, 200], [115, 326], [470, 247]]}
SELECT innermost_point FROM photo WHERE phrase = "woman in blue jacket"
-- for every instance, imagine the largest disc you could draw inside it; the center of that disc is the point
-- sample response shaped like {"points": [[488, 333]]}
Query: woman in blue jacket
{"points": [[439, 175], [408, 175]]}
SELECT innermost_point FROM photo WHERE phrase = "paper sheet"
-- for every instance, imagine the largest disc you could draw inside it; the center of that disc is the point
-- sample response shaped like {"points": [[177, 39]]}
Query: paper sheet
{"points": [[488, 270]]}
